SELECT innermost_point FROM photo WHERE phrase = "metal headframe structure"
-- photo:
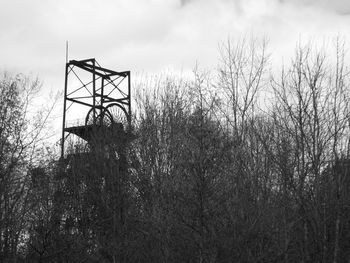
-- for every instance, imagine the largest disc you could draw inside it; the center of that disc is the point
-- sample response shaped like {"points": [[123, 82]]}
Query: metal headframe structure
{"points": [[103, 96]]}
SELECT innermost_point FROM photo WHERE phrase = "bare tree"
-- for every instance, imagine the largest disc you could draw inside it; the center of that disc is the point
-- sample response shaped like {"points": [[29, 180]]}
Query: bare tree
{"points": [[241, 76], [311, 107], [20, 133]]}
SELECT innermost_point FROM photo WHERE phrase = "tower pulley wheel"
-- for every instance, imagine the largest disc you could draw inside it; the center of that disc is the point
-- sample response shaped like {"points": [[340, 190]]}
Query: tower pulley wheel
{"points": [[113, 114]]}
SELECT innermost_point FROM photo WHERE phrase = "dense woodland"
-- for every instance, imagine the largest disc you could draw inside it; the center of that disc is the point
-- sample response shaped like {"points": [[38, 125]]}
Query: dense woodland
{"points": [[242, 163]]}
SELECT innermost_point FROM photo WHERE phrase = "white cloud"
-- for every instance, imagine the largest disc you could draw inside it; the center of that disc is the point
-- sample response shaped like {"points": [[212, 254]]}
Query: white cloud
{"points": [[150, 35]]}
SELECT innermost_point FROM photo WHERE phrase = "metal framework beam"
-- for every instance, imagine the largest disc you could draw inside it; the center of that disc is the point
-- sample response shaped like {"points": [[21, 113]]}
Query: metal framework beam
{"points": [[91, 93]]}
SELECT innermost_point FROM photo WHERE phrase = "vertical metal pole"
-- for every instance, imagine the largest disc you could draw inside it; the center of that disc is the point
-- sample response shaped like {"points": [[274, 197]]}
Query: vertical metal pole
{"points": [[102, 90], [64, 110], [129, 95], [101, 102], [94, 92]]}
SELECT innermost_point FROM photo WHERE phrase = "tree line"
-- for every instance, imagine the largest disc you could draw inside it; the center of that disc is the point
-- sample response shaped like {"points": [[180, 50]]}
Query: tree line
{"points": [[243, 163]]}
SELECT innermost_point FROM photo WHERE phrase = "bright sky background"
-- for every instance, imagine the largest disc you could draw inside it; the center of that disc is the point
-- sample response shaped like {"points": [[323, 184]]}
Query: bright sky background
{"points": [[150, 36]]}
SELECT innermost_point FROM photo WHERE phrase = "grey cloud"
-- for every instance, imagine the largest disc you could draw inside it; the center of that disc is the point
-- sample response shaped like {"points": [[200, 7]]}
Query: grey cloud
{"points": [[184, 2], [234, 6], [341, 7]]}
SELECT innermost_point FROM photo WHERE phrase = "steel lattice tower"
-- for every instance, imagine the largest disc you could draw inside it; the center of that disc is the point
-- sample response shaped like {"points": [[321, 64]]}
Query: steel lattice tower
{"points": [[101, 98]]}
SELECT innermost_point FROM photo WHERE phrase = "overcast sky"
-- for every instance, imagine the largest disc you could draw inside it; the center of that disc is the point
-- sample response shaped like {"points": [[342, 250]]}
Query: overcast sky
{"points": [[153, 35]]}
